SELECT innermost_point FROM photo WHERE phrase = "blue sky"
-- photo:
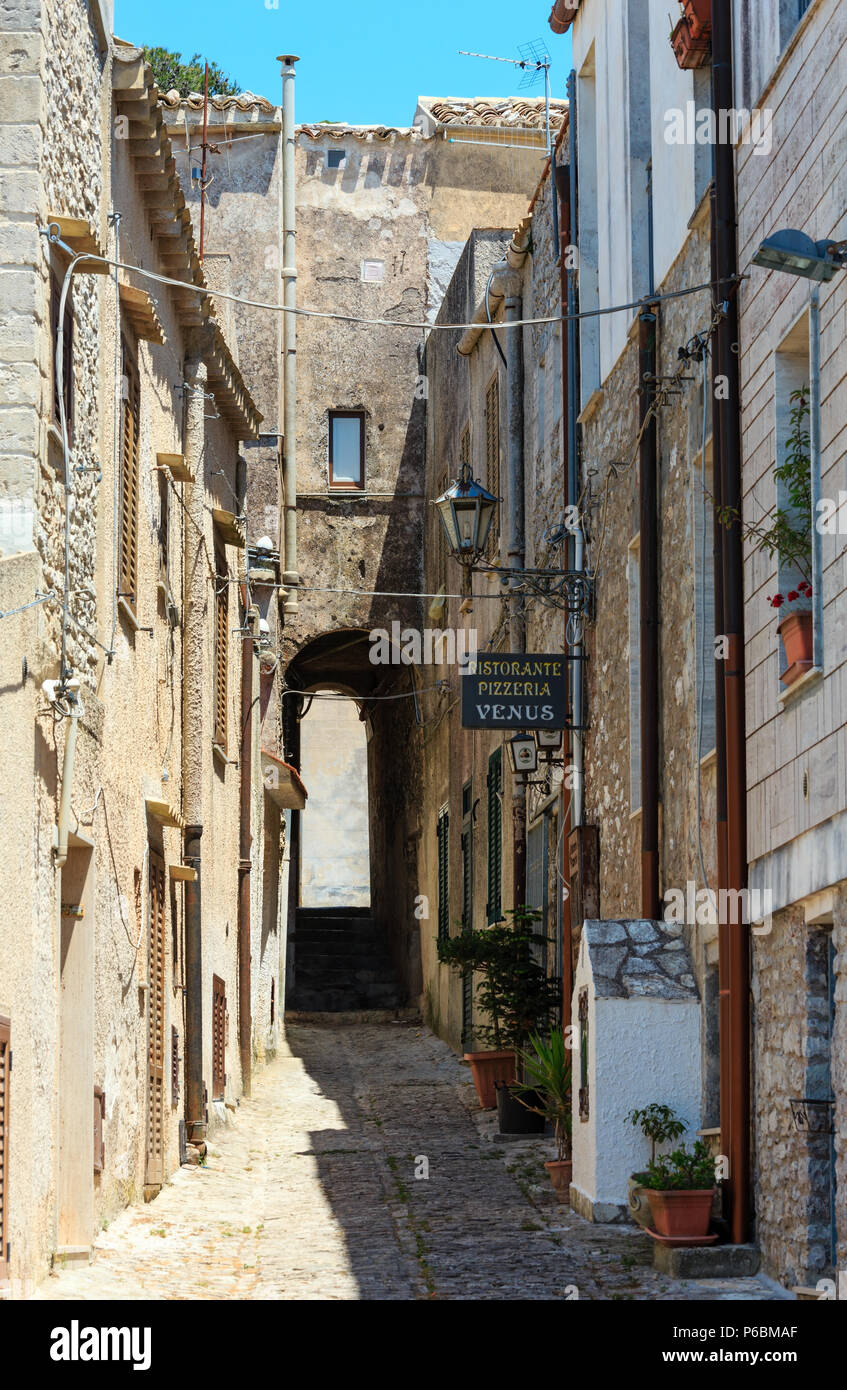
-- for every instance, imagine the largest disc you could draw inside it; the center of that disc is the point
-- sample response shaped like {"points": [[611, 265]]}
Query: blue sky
{"points": [[365, 63]]}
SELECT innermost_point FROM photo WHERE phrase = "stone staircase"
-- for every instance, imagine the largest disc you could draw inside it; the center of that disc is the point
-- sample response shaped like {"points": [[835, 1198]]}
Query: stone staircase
{"points": [[341, 962]]}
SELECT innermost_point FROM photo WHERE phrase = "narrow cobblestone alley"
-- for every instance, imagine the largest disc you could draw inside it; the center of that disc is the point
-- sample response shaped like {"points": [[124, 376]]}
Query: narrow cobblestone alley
{"points": [[311, 1194]]}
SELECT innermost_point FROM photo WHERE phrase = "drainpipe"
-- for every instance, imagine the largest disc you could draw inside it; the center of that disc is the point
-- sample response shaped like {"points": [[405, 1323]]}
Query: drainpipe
{"points": [[245, 842], [576, 543], [720, 731], [649, 614], [290, 576], [726, 365], [511, 286], [70, 693], [193, 674], [562, 173], [815, 460]]}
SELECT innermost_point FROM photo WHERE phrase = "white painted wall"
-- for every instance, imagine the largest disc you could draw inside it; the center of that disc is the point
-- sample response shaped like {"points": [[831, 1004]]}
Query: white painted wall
{"points": [[335, 861], [639, 1050]]}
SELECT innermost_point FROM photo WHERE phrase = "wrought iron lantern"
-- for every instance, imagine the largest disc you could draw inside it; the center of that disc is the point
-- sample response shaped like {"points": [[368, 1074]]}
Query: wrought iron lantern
{"points": [[549, 740], [523, 753], [466, 510]]}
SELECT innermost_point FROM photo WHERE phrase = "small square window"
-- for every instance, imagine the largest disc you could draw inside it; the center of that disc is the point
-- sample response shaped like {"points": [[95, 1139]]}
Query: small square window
{"points": [[346, 449], [336, 159], [373, 271]]}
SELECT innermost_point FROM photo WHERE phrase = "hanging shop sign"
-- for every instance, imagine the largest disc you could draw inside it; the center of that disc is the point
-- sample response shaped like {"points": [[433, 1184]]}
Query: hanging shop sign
{"points": [[505, 691]]}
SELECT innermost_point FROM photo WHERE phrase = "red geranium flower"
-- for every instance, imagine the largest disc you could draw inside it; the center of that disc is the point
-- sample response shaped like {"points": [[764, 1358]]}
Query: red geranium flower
{"points": [[793, 595], [777, 601]]}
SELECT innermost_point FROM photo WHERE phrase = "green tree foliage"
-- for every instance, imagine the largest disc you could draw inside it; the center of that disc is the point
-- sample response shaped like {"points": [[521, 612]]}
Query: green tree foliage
{"points": [[171, 73]]}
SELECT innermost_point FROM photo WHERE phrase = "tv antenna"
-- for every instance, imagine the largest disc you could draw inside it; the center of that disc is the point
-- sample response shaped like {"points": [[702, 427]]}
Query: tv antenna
{"points": [[534, 63]]}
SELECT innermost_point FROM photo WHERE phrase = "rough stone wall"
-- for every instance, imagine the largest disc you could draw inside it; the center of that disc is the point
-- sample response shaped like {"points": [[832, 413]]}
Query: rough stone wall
{"points": [[797, 794], [50, 161]]}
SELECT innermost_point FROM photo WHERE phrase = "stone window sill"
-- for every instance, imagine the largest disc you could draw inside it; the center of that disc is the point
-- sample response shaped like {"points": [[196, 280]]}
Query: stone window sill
{"points": [[793, 692]]}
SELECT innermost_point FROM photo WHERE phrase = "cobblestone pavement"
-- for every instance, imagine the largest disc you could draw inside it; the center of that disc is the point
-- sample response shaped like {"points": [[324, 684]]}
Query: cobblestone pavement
{"points": [[311, 1193]]}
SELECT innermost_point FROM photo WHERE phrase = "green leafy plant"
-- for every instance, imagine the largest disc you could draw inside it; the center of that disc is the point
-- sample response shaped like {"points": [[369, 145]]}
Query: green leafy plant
{"points": [[682, 1171], [546, 1070], [658, 1123], [516, 994], [786, 532], [172, 74]]}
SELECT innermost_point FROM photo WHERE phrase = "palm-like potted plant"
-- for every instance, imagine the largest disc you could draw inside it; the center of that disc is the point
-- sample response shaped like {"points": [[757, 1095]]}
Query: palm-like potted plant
{"points": [[680, 1189], [785, 534], [546, 1088], [661, 1125], [515, 995]]}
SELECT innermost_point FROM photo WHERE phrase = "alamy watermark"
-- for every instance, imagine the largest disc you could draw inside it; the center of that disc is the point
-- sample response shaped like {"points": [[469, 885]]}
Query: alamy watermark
{"points": [[693, 125], [693, 906], [408, 646]]}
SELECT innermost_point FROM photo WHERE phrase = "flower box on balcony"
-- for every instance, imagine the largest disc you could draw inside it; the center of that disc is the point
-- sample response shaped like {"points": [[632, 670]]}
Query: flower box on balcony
{"points": [[699, 16], [690, 50]]}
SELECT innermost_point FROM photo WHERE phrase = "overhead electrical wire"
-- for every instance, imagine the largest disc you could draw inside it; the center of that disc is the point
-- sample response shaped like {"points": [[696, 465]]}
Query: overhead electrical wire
{"points": [[386, 323]]}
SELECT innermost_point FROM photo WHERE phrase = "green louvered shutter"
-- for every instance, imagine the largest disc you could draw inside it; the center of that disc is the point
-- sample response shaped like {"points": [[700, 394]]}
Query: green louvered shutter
{"points": [[443, 839], [494, 906]]}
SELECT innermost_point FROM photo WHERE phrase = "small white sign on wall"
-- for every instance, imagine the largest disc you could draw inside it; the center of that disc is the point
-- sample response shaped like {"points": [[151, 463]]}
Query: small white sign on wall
{"points": [[373, 272]]}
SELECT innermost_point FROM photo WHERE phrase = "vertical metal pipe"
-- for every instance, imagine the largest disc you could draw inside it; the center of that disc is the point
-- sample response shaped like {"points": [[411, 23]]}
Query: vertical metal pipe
{"points": [[815, 457], [728, 406], [516, 543], [245, 847], [193, 681], [563, 191], [720, 728], [290, 576], [576, 542], [649, 616]]}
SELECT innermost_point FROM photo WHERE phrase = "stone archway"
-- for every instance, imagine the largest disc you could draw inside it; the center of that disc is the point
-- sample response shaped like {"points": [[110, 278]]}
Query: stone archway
{"points": [[355, 954]]}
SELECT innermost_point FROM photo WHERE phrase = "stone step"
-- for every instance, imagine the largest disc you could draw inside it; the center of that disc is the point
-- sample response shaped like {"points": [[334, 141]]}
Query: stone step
{"points": [[338, 1000], [340, 960]]}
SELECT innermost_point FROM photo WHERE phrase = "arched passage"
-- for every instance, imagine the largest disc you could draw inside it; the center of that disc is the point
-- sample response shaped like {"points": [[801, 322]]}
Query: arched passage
{"points": [[351, 731]]}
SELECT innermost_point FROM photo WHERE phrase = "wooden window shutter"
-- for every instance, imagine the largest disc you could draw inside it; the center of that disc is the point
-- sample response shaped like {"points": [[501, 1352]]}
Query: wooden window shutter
{"points": [[99, 1117], [221, 645], [174, 1067], [130, 426], [218, 1038], [494, 906], [492, 457], [5, 1070], [443, 839], [156, 1023]]}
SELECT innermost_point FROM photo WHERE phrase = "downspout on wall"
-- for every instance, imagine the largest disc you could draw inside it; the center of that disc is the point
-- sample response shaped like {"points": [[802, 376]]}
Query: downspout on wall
{"points": [[193, 668], [562, 191], [736, 1107], [290, 575], [245, 846], [649, 613]]}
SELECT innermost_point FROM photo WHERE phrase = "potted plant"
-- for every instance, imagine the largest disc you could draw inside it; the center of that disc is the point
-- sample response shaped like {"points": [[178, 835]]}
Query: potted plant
{"points": [[546, 1069], [527, 1001], [699, 16], [479, 951], [785, 533], [515, 995], [691, 39], [680, 1189], [660, 1124]]}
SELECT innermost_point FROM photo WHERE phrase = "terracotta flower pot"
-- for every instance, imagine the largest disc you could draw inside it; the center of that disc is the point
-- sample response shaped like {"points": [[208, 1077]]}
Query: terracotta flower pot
{"points": [[639, 1207], [699, 16], [795, 629], [690, 50], [679, 1213], [486, 1068], [561, 1173]]}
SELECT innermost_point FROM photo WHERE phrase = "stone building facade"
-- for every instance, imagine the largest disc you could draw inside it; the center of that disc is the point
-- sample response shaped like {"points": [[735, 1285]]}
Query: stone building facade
{"points": [[796, 753], [382, 215], [122, 682]]}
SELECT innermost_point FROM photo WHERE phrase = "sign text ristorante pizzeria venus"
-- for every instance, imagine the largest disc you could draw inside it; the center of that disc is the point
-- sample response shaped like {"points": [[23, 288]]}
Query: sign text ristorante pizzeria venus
{"points": [[515, 691]]}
